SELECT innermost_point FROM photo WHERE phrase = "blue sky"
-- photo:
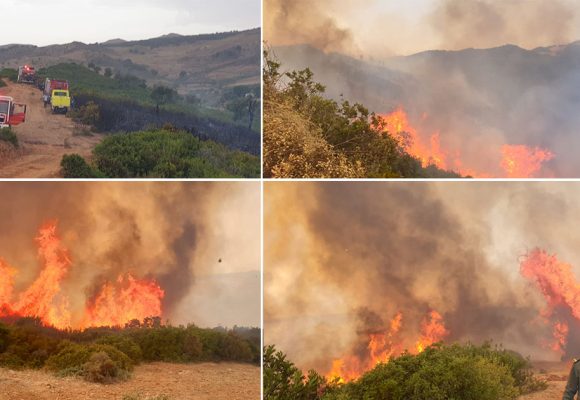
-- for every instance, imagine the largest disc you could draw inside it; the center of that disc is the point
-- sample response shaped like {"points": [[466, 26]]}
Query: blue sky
{"points": [[89, 21]]}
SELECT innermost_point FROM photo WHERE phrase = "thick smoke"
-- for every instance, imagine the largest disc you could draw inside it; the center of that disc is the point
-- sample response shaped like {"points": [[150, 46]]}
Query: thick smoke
{"points": [[489, 23], [476, 100], [343, 258], [303, 21], [172, 232], [370, 29]]}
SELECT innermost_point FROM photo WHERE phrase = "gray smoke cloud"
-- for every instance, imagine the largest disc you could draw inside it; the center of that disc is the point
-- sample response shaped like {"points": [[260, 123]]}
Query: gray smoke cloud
{"points": [[343, 258], [489, 23]]}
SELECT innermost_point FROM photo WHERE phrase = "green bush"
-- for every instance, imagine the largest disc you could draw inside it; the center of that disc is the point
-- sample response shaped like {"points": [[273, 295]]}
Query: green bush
{"points": [[96, 362], [7, 135], [9, 73], [124, 344], [100, 368], [75, 166], [170, 154], [439, 373], [89, 114]]}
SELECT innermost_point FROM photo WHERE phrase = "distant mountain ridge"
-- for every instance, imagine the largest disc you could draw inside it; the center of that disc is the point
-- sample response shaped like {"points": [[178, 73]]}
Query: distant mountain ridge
{"points": [[198, 64], [505, 94]]}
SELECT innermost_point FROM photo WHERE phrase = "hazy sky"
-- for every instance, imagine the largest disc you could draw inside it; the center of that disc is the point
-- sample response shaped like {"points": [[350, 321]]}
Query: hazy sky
{"points": [[89, 21], [388, 27]]}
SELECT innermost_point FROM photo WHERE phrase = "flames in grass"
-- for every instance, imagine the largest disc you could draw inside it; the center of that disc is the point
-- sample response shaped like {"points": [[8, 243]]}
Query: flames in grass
{"points": [[114, 304], [382, 346], [517, 161], [553, 279]]}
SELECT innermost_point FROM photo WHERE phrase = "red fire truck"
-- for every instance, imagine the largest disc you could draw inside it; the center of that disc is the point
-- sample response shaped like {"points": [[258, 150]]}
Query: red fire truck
{"points": [[11, 113]]}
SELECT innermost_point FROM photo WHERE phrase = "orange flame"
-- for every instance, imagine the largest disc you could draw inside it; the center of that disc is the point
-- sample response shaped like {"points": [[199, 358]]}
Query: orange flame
{"points": [[518, 161], [521, 161], [432, 331], [382, 346], [130, 299], [557, 283], [43, 298], [114, 305], [6, 283], [397, 123]]}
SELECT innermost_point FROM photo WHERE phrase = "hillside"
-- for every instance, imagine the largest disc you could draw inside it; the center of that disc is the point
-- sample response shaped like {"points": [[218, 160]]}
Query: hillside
{"points": [[475, 98], [203, 65]]}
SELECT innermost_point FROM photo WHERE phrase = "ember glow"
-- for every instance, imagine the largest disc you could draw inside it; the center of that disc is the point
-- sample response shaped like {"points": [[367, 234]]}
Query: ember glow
{"points": [[517, 161], [556, 282], [114, 305], [382, 346]]}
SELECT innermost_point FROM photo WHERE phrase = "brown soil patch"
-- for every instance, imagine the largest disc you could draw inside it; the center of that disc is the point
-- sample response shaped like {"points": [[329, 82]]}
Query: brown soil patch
{"points": [[556, 374], [44, 138], [206, 381]]}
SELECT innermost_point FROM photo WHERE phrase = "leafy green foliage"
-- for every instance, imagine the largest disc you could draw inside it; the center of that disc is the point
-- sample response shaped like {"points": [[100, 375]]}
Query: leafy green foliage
{"points": [[244, 103], [122, 87], [106, 355], [7, 135], [440, 373], [309, 136], [9, 73], [163, 95], [283, 381], [88, 114], [162, 154], [84, 80], [75, 166]]}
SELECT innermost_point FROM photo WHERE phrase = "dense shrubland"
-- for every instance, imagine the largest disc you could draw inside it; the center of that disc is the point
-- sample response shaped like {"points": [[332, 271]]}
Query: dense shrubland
{"points": [[106, 355], [441, 372], [309, 136]]}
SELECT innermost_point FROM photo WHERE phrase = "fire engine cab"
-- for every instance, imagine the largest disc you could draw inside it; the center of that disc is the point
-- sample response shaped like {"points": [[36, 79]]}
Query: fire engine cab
{"points": [[11, 114]]}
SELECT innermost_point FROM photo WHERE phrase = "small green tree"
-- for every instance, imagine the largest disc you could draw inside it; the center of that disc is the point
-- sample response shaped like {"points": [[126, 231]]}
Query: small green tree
{"points": [[163, 95], [283, 381]]}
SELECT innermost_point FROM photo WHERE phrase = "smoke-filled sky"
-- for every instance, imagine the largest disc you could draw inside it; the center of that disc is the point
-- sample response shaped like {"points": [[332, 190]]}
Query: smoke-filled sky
{"points": [[41, 22], [341, 258], [379, 28], [199, 241]]}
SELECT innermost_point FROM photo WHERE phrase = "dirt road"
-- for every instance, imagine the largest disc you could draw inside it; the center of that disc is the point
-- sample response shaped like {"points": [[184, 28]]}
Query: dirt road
{"points": [[44, 138], [556, 374], [178, 382]]}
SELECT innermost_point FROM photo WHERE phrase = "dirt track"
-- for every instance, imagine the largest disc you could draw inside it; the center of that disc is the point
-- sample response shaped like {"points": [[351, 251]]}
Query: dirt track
{"points": [[44, 138], [178, 382], [556, 374]]}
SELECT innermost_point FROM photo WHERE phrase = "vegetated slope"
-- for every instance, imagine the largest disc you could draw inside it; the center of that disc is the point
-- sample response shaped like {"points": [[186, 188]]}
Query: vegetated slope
{"points": [[205, 381], [42, 140], [203, 64], [161, 153], [309, 136], [126, 104], [519, 96], [439, 372]]}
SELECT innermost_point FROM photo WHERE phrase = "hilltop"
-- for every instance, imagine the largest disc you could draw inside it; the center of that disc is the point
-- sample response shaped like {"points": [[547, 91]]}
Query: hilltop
{"points": [[204, 65]]}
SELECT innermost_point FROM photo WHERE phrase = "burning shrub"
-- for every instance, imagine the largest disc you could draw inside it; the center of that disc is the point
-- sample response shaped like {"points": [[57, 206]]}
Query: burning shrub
{"points": [[440, 372]]}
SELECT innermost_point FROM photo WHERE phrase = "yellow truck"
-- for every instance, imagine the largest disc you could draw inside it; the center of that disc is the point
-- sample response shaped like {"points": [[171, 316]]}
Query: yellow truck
{"points": [[57, 95]]}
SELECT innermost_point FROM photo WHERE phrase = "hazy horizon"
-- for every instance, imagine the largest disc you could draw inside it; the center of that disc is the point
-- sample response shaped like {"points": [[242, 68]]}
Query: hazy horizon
{"points": [[95, 21], [378, 29]]}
